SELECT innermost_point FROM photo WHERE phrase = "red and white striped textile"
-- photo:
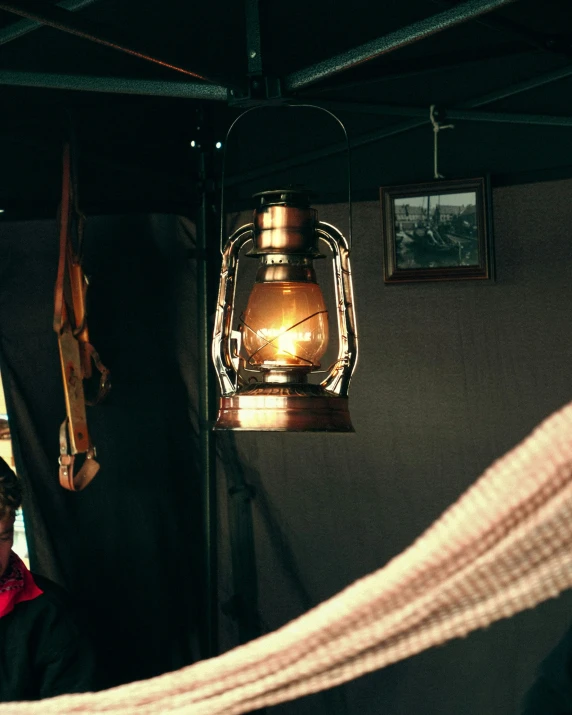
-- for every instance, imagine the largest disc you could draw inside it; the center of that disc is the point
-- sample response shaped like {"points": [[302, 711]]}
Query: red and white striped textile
{"points": [[504, 546]]}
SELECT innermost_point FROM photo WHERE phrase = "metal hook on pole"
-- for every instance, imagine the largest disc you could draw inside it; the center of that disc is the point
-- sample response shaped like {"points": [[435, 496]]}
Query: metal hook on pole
{"points": [[434, 114]]}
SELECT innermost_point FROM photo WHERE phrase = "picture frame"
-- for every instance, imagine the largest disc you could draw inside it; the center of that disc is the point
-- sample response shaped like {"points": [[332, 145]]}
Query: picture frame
{"points": [[437, 230]]}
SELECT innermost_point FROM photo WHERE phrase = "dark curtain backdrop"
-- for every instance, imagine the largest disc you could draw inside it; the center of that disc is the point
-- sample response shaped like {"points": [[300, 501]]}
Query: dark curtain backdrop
{"points": [[450, 376], [128, 548]]}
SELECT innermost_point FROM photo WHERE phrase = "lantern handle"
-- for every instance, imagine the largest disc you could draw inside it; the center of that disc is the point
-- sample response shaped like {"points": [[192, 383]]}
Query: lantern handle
{"points": [[339, 377], [349, 241], [224, 354]]}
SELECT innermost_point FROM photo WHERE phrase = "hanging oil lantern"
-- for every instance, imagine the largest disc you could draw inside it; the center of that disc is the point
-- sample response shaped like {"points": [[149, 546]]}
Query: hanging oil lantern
{"points": [[265, 362]]}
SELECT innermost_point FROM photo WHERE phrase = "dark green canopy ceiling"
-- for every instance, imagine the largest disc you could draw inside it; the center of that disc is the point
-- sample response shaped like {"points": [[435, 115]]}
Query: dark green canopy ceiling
{"points": [[502, 72]]}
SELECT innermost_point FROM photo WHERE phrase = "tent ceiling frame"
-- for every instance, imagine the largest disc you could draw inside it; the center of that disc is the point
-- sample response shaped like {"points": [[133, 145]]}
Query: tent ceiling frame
{"points": [[114, 85], [23, 27], [70, 22], [458, 114], [468, 10], [194, 90], [462, 12], [253, 37], [413, 67], [398, 128], [66, 21], [561, 44]]}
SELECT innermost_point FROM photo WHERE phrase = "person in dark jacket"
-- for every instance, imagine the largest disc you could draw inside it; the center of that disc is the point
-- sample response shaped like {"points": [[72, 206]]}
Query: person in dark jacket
{"points": [[42, 651]]}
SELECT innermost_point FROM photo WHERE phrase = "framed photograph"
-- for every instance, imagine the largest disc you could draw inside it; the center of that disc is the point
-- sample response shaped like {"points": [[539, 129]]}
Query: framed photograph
{"points": [[439, 230]]}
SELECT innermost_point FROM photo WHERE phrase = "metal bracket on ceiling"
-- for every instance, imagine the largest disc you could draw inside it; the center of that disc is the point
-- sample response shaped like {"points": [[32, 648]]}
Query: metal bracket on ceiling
{"points": [[260, 89]]}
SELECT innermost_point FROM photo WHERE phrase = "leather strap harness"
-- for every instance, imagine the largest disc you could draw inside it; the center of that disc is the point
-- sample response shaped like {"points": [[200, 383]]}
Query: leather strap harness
{"points": [[77, 355]]}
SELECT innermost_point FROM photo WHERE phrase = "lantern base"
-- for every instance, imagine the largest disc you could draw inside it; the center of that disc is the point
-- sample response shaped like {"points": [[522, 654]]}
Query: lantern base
{"points": [[284, 408]]}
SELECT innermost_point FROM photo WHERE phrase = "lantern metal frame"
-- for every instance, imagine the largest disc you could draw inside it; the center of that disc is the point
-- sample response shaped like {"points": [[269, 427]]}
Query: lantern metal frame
{"points": [[227, 342], [330, 396]]}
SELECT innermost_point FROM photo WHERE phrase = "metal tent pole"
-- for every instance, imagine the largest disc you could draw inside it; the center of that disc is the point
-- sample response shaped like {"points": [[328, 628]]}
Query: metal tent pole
{"points": [[243, 607], [18, 29], [393, 41], [462, 114], [206, 240], [115, 85], [545, 42], [371, 75], [66, 21]]}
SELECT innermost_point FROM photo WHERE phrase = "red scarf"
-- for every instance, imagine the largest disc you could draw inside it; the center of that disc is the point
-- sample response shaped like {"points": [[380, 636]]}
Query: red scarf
{"points": [[17, 585]]}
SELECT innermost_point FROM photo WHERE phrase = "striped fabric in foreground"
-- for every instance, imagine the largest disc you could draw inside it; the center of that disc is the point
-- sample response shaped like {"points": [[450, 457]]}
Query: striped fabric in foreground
{"points": [[503, 547]]}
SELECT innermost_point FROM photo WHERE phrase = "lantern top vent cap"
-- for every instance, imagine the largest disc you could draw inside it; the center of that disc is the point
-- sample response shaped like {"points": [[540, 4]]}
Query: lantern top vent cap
{"points": [[290, 196]]}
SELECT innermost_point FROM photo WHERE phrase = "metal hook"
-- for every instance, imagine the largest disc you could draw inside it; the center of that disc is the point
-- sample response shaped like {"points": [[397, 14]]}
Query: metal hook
{"points": [[437, 126]]}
